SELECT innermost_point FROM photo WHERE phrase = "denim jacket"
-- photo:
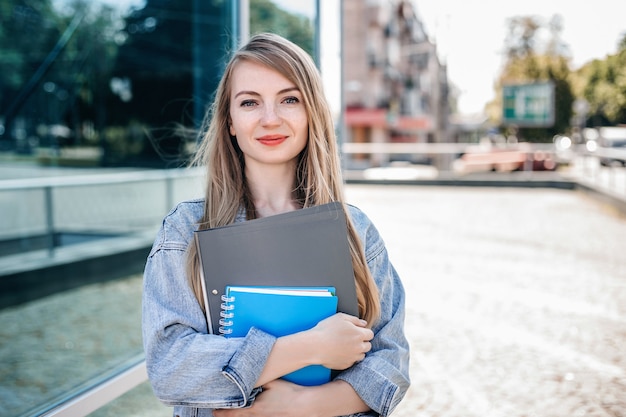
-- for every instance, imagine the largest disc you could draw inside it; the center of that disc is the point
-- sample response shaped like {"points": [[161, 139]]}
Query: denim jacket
{"points": [[195, 372]]}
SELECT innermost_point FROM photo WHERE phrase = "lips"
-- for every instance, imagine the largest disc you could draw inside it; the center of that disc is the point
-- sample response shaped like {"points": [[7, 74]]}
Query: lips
{"points": [[272, 140]]}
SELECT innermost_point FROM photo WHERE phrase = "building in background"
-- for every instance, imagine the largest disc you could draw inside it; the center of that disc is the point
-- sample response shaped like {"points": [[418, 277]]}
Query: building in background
{"points": [[395, 88]]}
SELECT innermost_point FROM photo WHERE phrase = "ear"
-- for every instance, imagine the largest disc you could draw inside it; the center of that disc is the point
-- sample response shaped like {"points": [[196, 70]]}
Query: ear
{"points": [[231, 130]]}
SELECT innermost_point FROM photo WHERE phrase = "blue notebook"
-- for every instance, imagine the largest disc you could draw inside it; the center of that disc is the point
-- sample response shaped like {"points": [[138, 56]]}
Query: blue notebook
{"points": [[279, 311]]}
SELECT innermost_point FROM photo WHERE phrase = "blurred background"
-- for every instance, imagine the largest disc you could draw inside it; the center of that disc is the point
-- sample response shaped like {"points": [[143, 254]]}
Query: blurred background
{"points": [[101, 102]]}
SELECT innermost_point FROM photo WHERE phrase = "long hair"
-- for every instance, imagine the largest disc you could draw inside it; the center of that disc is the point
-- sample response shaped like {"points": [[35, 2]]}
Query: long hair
{"points": [[318, 172]]}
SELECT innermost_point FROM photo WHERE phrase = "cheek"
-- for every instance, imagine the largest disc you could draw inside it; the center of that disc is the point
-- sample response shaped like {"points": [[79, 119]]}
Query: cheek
{"points": [[297, 119], [237, 125], [304, 127]]}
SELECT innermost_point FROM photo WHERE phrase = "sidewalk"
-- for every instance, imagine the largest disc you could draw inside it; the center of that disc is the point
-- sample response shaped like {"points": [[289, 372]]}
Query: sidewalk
{"points": [[516, 299]]}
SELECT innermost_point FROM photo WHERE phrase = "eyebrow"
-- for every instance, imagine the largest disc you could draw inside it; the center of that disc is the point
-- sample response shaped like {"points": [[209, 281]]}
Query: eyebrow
{"points": [[254, 93]]}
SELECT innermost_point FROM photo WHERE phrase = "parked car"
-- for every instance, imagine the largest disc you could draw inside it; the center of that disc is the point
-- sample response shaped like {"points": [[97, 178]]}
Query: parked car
{"points": [[512, 158], [610, 139]]}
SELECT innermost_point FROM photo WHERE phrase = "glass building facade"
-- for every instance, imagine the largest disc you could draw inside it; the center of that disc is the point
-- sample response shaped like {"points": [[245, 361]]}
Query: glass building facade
{"points": [[101, 84], [122, 83]]}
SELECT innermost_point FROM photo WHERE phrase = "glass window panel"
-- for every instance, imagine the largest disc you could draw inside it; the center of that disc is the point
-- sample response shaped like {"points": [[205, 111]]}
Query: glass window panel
{"points": [[108, 83], [91, 84], [60, 344], [138, 402]]}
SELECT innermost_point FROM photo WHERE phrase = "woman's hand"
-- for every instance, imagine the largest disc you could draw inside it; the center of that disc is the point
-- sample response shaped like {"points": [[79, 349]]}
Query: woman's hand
{"points": [[278, 399], [337, 342], [341, 340]]}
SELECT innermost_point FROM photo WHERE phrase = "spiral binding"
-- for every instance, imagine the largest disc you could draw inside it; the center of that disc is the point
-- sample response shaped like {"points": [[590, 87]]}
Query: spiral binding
{"points": [[226, 315]]}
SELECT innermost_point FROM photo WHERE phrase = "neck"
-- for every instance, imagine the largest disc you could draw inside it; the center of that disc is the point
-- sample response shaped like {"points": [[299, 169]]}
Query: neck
{"points": [[272, 189]]}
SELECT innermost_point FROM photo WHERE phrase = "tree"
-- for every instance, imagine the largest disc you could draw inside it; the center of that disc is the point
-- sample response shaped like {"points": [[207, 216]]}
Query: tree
{"points": [[529, 61], [166, 70], [602, 83], [266, 16], [28, 32], [53, 62]]}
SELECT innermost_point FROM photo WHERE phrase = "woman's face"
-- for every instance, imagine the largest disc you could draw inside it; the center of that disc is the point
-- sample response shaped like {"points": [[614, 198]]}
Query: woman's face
{"points": [[267, 115]]}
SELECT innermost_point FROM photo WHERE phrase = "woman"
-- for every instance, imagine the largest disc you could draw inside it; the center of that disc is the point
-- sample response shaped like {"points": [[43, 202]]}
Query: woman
{"points": [[270, 148]]}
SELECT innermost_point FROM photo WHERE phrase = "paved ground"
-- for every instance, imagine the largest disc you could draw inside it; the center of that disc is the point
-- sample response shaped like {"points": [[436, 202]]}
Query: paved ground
{"points": [[516, 299], [516, 307]]}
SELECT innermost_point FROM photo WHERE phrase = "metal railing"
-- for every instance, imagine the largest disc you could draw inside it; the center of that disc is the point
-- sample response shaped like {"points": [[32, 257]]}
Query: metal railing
{"points": [[461, 161], [603, 168], [38, 212]]}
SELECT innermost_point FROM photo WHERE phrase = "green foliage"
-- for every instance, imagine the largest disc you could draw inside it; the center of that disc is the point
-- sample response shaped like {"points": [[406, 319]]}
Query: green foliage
{"points": [[601, 83], [604, 88], [265, 16], [49, 73], [529, 62], [28, 30]]}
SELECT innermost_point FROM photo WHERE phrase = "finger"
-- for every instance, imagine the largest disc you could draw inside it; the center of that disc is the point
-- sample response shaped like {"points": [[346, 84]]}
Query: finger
{"points": [[353, 319], [366, 335], [358, 322]]}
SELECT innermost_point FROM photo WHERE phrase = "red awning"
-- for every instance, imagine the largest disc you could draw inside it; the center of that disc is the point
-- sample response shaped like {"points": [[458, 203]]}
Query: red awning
{"points": [[382, 118]]}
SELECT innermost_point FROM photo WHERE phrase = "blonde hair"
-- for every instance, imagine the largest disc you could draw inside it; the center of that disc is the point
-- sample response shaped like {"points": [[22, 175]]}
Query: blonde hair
{"points": [[318, 172]]}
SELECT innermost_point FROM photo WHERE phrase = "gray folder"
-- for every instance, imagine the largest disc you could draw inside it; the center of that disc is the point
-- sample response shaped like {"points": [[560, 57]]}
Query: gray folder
{"points": [[307, 247]]}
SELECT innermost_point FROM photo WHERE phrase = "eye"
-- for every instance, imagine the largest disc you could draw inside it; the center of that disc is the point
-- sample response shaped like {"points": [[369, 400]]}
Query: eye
{"points": [[291, 100], [247, 103]]}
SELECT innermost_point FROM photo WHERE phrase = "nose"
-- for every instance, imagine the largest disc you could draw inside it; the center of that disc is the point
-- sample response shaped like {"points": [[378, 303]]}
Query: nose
{"points": [[270, 115]]}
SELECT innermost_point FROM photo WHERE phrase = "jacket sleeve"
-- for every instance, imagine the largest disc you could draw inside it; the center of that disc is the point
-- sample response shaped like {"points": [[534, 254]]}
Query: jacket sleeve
{"points": [[382, 378], [186, 366]]}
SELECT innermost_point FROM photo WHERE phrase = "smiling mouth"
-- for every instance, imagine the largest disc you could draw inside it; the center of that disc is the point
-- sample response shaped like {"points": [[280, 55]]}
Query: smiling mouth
{"points": [[272, 140]]}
